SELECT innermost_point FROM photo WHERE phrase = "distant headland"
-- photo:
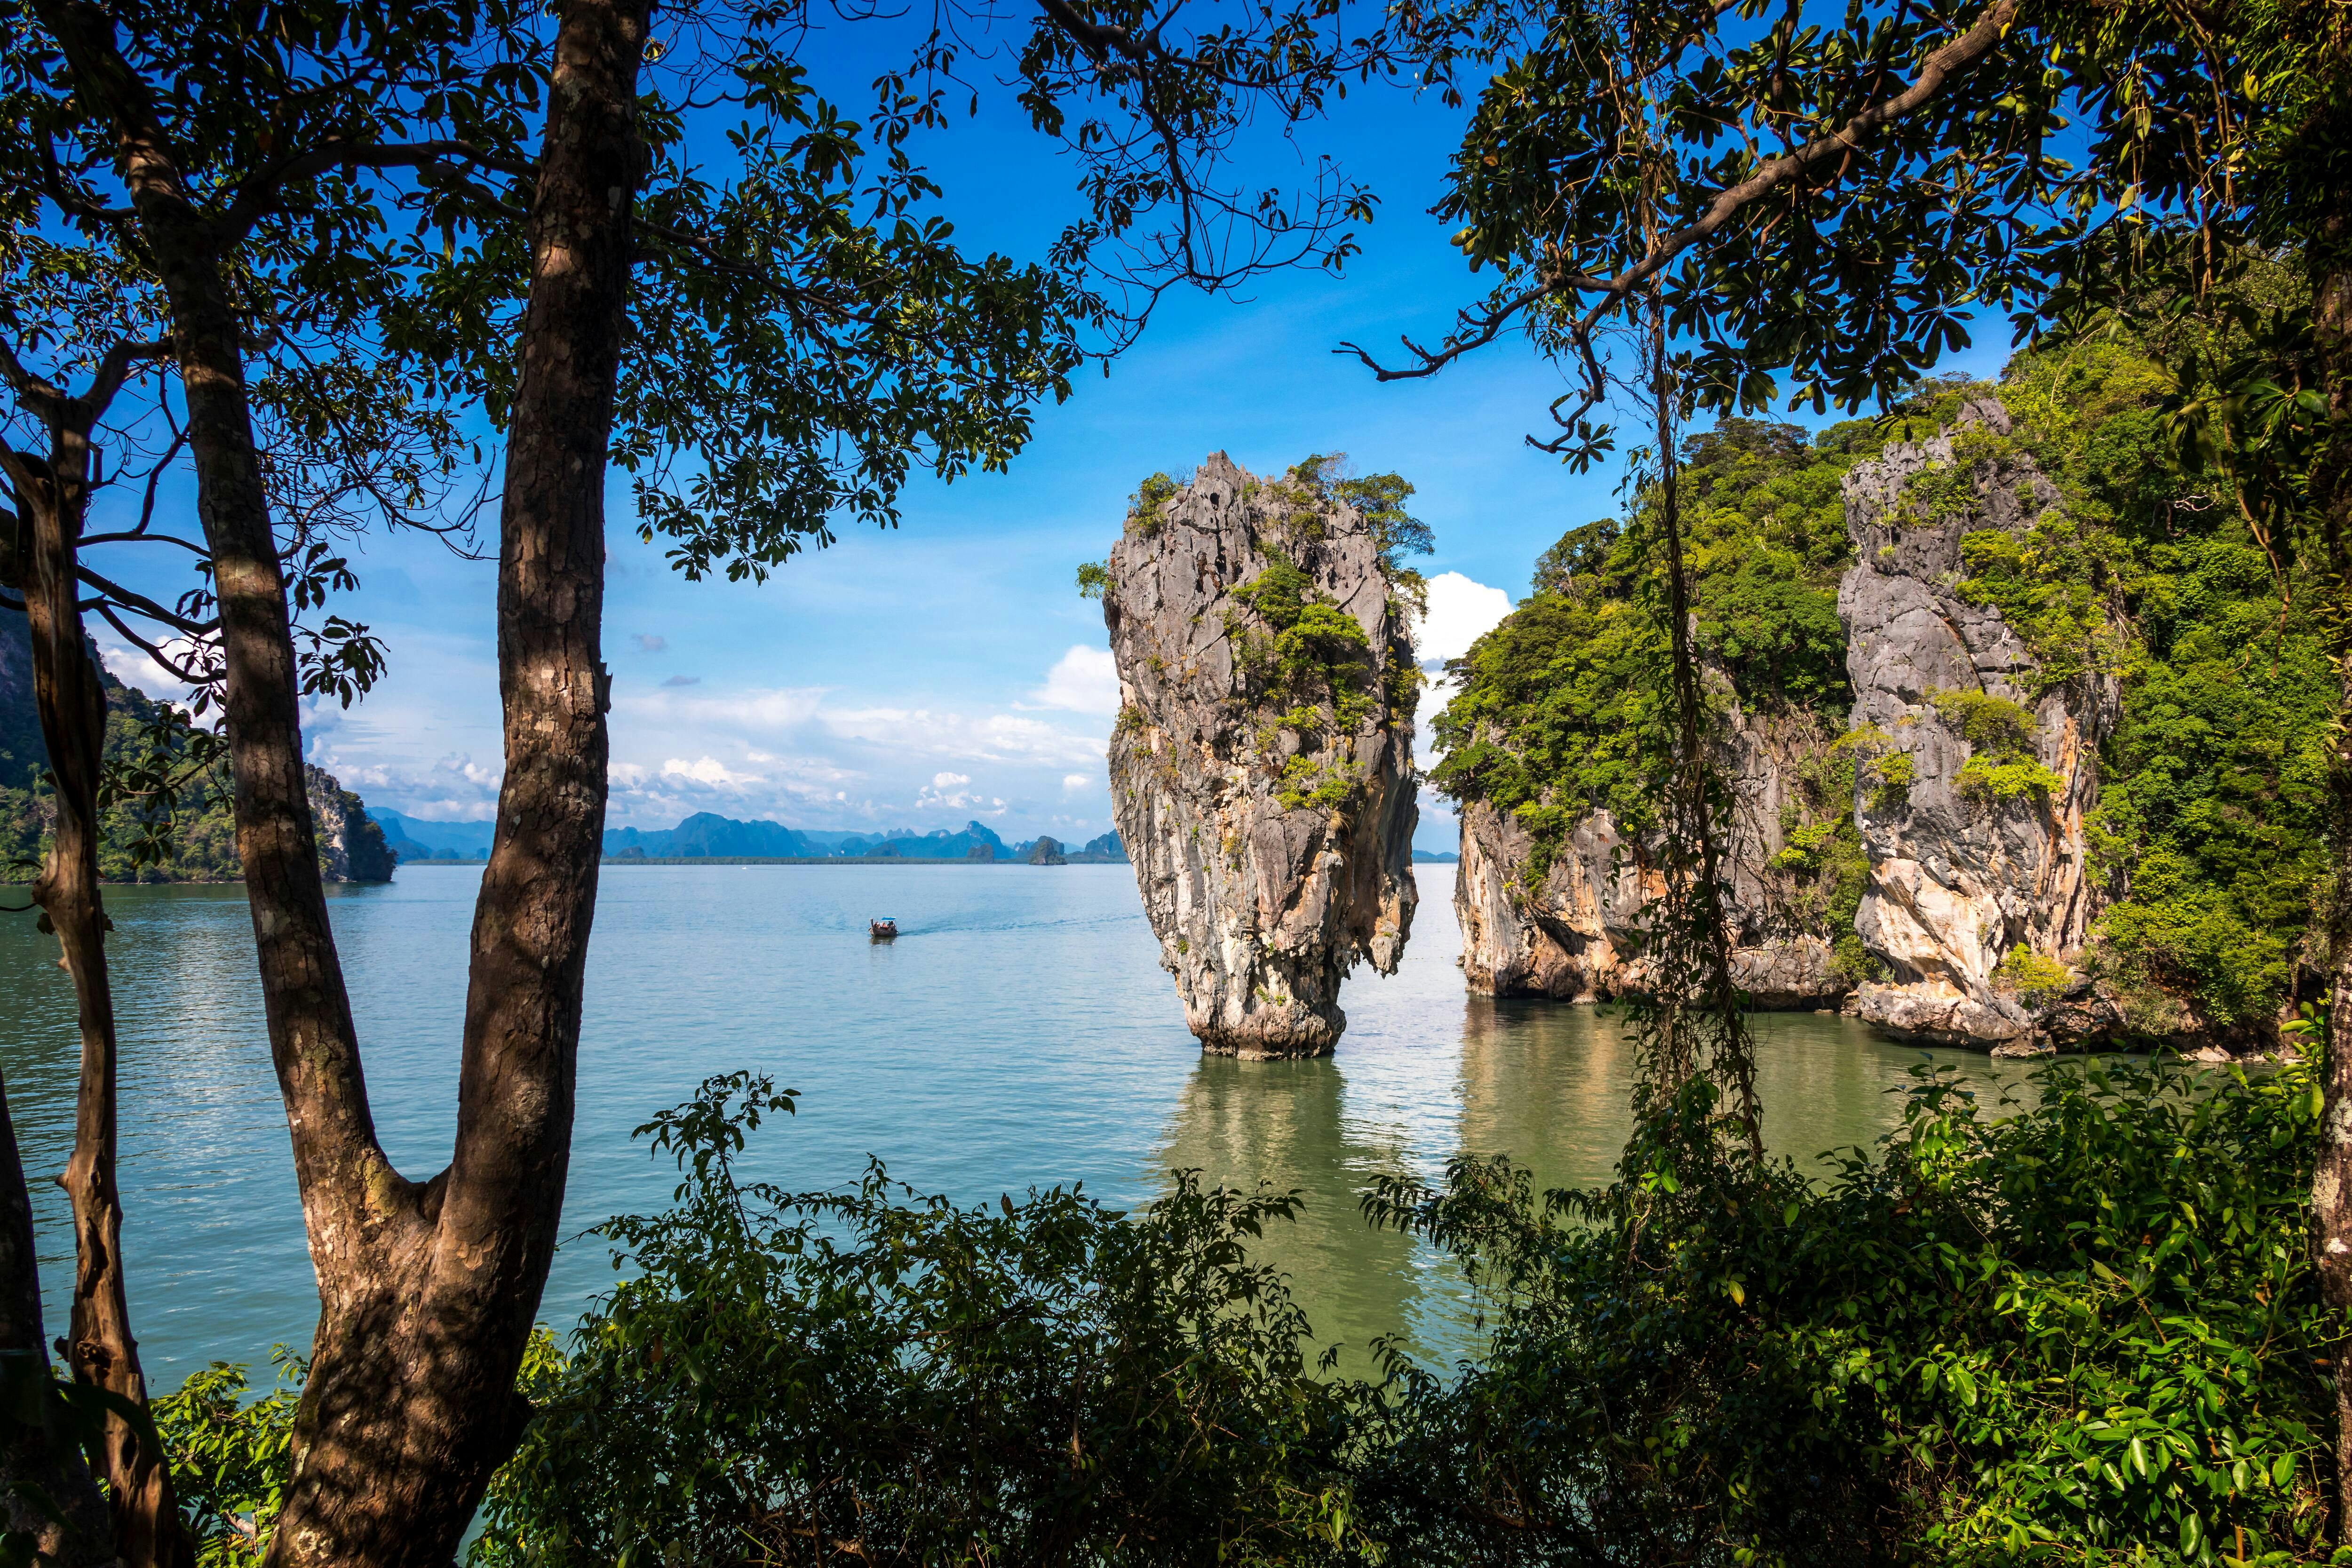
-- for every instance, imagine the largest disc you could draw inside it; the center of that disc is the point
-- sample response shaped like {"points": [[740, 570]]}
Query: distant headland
{"points": [[705, 836]]}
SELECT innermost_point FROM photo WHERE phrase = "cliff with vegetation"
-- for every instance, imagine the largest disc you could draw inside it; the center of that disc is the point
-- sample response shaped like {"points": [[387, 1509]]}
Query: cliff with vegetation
{"points": [[2019, 727], [1554, 744], [1261, 768], [174, 823]]}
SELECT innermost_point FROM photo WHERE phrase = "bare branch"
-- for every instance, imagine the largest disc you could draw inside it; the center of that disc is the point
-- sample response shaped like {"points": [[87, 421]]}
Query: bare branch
{"points": [[115, 369], [140, 603], [184, 675]]}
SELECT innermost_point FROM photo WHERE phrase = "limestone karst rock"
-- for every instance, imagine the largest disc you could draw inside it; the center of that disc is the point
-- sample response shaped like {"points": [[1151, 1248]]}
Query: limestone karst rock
{"points": [[1261, 768], [1576, 935], [1971, 811], [351, 848]]}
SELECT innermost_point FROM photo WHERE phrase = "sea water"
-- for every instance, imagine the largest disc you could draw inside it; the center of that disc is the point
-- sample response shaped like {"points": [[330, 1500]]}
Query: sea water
{"points": [[1019, 1032]]}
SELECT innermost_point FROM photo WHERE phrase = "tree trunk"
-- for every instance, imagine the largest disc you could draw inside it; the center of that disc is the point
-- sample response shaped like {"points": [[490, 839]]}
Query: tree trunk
{"points": [[2331, 1187], [70, 697], [427, 1291], [400, 1436], [35, 1452]]}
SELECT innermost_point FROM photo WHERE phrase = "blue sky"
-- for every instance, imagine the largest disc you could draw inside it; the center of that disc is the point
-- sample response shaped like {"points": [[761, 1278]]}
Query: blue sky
{"points": [[948, 670]]}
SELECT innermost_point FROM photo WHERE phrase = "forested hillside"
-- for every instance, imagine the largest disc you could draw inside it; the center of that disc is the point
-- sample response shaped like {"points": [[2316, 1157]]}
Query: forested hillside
{"points": [[187, 834], [2205, 841]]}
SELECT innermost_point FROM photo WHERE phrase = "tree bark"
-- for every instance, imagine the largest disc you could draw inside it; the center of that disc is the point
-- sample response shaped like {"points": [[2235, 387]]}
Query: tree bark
{"points": [[396, 1447], [427, 1291], [2331, 1187], [34, 1451], [53, 495]]}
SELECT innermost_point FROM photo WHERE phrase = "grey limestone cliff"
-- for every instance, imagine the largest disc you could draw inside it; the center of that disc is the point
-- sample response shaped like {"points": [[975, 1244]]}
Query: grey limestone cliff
{"points": [[1965, 868], [1576, 936], [351, 846], [1261, 768]]}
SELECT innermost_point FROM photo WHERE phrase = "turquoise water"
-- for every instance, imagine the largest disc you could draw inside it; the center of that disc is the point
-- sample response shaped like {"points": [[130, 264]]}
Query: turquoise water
{"points": [[1019, 1032]]}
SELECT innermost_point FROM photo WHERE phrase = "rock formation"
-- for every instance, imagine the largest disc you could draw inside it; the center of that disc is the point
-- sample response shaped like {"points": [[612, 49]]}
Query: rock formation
{"points": [[1261, 769], [351, 845], [1576, 936], [1972, 812], [1047, 852]]}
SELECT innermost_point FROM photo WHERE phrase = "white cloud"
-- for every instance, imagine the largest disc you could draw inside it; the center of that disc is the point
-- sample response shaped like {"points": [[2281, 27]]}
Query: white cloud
{"points": [[707, 771], [1083, 680], [1076, 781], [948, 781], [1460, 612]]}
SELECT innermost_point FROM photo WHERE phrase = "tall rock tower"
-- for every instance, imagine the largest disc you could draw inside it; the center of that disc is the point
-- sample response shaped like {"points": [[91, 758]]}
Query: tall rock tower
{"points": [[1262, 766]]}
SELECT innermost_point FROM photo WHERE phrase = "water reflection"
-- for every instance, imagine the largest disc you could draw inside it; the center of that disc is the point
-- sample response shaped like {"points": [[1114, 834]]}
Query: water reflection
{"points": [[1289, 1124], [1020, 1031]]}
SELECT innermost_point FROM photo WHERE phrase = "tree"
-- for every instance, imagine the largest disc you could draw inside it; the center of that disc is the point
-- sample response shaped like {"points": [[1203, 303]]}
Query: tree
{"points": [[277, 177], [1824, 193]]}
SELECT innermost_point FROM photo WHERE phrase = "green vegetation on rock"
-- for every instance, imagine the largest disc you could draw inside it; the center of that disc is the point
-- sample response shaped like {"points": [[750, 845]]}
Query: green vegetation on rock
{"points": [[2208, 832], [1564, 706]]}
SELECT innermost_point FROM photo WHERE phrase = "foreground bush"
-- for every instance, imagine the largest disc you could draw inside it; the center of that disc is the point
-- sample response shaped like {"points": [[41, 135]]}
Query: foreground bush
{"points": [[2086, 1332], [873, 1378]]}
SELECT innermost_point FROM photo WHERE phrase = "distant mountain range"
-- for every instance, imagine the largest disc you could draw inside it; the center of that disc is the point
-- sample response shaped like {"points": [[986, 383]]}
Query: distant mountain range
{"points": [[708, 836]]}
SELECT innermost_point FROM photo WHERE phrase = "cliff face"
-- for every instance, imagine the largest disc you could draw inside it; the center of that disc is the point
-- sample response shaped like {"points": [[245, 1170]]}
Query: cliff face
{"points": [[1971, 810], [351, 845], [1261, 769], [1576, 935]]}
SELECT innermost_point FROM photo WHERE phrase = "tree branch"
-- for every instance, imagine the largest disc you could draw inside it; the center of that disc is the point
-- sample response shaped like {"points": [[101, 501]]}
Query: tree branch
{"points": [[1938, 71], [118, 594], [257, 195], [184, 675]]}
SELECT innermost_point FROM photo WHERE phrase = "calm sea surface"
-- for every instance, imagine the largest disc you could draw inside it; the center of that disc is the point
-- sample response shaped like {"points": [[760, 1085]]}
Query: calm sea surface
{"points": [[1020, 1032]]}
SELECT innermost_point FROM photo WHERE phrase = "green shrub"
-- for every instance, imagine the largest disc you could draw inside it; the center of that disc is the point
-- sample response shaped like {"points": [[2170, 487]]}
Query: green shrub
{"points": [[1147, 508], [231, 1456], [1893, 775], [871, 1376], [2082, 1334], [1094, 580], [2030, 977]]}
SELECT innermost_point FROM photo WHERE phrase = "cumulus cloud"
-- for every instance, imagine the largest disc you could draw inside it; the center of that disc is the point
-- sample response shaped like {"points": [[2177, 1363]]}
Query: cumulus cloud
{"points": [[947, 794], [1076, 781], [1083, 680], [649, 642], [453, 788], [1460, 612], [707, 771]]}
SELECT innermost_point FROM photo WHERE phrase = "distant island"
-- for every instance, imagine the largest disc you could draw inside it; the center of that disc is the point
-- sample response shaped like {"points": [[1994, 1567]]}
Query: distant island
{"points": [[706, 836]]}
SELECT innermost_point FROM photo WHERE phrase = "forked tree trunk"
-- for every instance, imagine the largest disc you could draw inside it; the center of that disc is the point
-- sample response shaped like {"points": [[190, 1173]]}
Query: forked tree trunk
{"points": [[411, 1405], [427, 1291], [53, 495]]}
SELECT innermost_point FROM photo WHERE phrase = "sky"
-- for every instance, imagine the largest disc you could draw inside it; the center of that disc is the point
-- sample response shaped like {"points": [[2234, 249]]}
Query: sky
{"points": [[947, 670]]}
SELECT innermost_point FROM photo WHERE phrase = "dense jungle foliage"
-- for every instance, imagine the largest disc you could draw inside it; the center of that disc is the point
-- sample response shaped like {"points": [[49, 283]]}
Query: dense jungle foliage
{"points": [[165, 807], [2081, 1328], [2151, 571], [192, 840]]}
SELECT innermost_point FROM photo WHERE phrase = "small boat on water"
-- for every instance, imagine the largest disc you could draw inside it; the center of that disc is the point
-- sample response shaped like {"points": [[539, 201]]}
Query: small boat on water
{"points": [[883, 929]]}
